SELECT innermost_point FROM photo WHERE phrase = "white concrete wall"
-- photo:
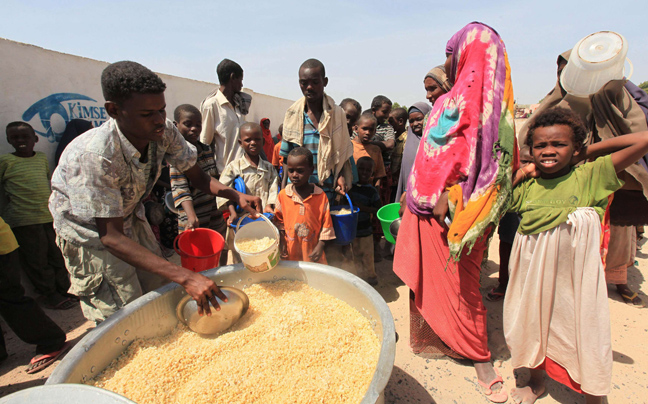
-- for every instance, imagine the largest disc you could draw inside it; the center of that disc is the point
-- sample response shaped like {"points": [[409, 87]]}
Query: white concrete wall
{"points": [[29, 74]]}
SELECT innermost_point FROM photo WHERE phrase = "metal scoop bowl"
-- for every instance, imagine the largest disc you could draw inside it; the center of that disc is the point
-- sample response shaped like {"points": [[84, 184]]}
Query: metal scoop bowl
{"points": [[230, 312], [394, 227]]}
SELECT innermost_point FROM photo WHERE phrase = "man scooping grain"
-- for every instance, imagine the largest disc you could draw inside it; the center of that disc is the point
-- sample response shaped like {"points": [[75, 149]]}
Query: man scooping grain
{"points": [[97, 191]]}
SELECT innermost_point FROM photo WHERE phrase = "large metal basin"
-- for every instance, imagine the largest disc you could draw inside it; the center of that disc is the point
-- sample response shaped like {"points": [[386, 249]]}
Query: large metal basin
{"points": [[153, 315]]}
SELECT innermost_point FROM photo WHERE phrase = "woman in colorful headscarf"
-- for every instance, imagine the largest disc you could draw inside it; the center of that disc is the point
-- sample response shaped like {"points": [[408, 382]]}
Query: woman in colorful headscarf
{"points": [[458, 189], [268, 143], [436, 84]]}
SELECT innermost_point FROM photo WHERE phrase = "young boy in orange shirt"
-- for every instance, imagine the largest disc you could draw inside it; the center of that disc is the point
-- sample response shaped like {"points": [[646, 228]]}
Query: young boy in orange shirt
{"points": [[365, 128], [302, 212]]}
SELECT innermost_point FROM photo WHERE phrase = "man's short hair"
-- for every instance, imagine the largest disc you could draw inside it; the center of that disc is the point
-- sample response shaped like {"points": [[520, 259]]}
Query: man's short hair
{"points": [[121, 79], [400, 113], [226, 68], [188, 108], [18, 124], [302, 152], [379, 101], [351, 101], [312, 64]]}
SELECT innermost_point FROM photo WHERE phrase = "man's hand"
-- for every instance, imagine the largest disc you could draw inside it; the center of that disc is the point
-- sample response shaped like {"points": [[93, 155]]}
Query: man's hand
{"points": [[250, 203], [317, 252], [440, 210], [341, 185], [203, 290], [403, 204]]}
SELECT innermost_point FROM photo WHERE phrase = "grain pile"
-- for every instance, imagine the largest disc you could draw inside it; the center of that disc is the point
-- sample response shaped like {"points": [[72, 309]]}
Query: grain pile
{"points": [[343, 211], [254, 245], [295, 345]]}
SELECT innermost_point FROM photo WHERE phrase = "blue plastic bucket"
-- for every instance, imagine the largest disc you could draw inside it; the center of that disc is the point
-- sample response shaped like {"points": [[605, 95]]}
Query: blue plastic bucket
{"points": [[346, 226]]}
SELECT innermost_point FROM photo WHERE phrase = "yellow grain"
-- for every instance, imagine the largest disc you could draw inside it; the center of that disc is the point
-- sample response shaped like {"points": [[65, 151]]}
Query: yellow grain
{"points": [[254, 245], [295, 345]]}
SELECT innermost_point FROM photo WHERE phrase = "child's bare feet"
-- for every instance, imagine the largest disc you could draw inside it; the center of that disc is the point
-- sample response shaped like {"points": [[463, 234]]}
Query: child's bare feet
{"points": [[491, 381], [532, 391]]}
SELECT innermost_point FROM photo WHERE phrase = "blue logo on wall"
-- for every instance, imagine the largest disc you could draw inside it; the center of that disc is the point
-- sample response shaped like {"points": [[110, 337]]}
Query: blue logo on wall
{"points": [[56, 110]]}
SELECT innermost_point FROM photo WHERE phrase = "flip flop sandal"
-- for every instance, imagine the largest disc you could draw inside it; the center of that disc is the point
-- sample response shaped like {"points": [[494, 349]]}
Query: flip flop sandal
{"points": [[499, 397], [630, 299], [40, 362], [493, 296]]}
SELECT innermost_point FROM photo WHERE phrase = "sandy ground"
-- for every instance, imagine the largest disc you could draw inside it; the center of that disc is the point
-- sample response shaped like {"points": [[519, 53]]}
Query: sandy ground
{"points": [[419, 380]]}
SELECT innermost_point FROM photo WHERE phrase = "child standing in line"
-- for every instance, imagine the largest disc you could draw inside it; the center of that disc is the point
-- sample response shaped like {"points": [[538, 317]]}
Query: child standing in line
{"points": [[259, 176], [196, 208], [556, 314], [365, 129], [25, 191], [268, 142], [302, 213], [352, 109], [363, 146], [398, 120], [277, 160], [365, 196], [385, 138]]}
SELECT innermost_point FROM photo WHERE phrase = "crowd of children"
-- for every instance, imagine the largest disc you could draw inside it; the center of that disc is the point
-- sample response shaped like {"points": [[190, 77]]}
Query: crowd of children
{"points": [[313, 163]]}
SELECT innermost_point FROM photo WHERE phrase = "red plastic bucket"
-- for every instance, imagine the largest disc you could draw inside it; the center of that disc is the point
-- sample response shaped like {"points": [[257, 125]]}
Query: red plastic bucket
{"points": [[199, 249]]}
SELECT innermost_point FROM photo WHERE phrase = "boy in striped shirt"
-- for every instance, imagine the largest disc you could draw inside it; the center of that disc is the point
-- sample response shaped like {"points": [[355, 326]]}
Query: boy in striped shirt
{"points": [[24, 194]]}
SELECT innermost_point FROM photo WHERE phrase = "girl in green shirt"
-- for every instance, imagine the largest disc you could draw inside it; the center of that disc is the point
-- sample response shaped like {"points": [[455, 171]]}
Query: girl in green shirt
{"points": [[556, 314]]}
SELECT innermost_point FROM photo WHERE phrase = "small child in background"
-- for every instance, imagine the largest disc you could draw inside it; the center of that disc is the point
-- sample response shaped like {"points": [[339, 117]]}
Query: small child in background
{"points": [[398, 120], [268, 141], [365, 129], [365, 196], [302, 213], [352, 109], [196, 208], [277, 160], [363, 147], [24, 195], [506, 230], [385, 138], [556, 313]]}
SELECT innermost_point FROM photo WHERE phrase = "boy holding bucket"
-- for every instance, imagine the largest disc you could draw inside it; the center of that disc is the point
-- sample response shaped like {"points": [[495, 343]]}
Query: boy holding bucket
{"points": [[259, 176], [302, 213], [365, 196], [195, 207]]}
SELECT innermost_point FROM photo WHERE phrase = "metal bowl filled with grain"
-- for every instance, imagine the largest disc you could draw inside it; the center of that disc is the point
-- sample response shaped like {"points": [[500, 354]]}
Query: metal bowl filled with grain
{"points": [[265, 357]]}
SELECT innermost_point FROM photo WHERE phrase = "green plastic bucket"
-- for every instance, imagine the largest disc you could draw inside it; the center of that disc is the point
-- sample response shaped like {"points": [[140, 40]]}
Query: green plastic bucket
{"points": [[387, 214]]}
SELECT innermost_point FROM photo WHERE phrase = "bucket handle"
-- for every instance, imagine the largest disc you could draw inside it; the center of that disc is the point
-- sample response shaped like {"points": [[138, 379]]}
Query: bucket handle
{"points": [[350, 203], [274, 228], [631, 69], [176, 247]]}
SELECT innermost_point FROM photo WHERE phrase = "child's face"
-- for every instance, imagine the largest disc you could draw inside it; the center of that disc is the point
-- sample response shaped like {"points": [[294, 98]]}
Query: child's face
{"points": [[366, 129], [23, 140], [525, 157], [397, 124], [365, 171], [299, 170], [312, 83], [382, 113], [352, 115], [190, 125], [142, 117], [553, 149], [416, 122], [266, 124], [251, 140]]}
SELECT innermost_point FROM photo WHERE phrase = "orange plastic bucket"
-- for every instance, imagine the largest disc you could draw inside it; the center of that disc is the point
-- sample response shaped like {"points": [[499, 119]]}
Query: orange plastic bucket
{"points": [[199, 249]]}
